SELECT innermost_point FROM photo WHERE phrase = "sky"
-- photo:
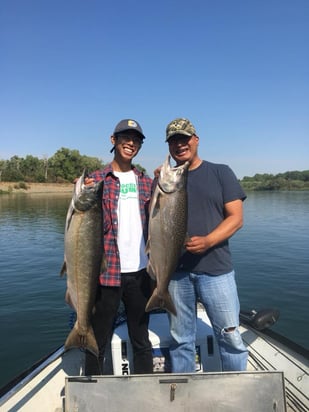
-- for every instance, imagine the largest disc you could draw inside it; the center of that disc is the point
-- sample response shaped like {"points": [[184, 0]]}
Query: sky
{"points": [[70, 70]]}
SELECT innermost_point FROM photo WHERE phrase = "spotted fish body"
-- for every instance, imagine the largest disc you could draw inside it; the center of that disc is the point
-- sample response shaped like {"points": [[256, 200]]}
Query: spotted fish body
{"points": [[167, 231], [83, 260]]}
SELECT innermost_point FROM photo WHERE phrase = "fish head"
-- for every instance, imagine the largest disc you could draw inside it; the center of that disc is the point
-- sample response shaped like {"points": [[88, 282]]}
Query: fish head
{"points": [[172, 179], [84, 196]]}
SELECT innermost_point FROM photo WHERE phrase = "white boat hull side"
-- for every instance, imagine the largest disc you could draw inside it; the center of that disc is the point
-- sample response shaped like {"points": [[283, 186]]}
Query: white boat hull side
{"points": [[45, 391], [268, 354]]}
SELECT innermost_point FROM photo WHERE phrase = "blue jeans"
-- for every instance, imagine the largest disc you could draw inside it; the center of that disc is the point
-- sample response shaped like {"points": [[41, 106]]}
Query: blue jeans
{"points": [[219, 296]]}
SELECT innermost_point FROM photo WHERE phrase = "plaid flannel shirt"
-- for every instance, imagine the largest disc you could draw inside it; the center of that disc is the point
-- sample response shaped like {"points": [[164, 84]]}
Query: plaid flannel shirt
{"points": [[111, 189]]}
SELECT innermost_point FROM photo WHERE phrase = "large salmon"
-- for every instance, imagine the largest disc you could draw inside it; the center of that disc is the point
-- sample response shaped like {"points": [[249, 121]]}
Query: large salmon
{"points": [[83, 260], [167, 231]]}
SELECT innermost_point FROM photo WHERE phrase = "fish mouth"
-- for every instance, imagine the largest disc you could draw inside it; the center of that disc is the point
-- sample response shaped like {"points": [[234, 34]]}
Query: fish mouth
{"points": [[178, 169], [171, 178], [85, 196], [80, 184]]}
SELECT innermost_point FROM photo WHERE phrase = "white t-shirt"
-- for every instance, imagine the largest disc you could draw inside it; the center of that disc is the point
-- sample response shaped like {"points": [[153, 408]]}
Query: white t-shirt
{"points": [[130, 239]]}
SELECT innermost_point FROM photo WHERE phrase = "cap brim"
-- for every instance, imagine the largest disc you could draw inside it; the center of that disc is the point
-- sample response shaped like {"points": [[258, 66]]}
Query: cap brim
{"points": [[179, 132], [126, 130]]}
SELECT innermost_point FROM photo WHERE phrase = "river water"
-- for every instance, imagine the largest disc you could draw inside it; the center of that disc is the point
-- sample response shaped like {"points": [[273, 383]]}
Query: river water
{"points": [[270, 256]]}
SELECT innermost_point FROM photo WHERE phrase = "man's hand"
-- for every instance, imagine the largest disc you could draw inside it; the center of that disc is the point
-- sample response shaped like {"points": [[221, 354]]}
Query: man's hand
{"points": [[89, 181], [197, 245], [156, 172]]}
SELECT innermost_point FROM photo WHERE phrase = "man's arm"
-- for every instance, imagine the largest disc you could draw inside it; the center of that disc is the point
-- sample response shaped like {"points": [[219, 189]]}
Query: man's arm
{"points": [[232, 222]]}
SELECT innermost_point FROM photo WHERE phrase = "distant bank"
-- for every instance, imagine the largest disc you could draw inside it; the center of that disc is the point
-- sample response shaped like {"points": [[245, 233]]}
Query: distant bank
{"points": [[30, 188]]}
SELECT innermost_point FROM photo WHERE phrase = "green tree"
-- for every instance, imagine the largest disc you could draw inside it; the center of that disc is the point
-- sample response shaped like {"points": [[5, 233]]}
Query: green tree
{"points": [[65, 165], [11, 172], [68, 164], [3, 164], [91, 163], [32, 169]]}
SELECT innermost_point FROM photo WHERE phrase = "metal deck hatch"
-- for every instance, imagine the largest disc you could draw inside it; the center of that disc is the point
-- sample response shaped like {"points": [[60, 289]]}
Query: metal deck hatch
{"points": [[225, 391]]}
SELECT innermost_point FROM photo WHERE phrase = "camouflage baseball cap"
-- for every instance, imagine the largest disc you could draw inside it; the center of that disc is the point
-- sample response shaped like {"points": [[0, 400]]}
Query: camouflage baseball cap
{"points": [[180, 126]]}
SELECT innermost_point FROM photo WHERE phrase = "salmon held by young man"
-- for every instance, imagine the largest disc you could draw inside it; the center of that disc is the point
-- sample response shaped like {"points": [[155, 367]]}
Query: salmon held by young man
{"points": [[83, 259], [167, 231]]}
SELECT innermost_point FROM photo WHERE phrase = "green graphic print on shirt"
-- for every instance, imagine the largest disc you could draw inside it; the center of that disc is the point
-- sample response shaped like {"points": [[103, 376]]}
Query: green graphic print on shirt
{"points": [[128, 190]]}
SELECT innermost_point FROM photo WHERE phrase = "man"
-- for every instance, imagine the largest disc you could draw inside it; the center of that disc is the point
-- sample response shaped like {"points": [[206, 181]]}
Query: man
{"points": [[205, 272], [126, 193]]}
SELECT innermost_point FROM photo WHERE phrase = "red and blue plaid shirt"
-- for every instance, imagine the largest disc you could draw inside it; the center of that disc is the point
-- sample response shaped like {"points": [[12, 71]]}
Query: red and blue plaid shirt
{"points": [[111, 190]]}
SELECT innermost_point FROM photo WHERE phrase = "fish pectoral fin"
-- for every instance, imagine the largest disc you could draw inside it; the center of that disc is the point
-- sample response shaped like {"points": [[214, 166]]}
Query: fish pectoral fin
{"points": [[162, 301], [63, 270], [154, 205]]}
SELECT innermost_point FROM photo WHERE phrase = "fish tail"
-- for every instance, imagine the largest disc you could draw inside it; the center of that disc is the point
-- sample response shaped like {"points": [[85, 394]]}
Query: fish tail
{"points": [[161, 301], [88, 341]]}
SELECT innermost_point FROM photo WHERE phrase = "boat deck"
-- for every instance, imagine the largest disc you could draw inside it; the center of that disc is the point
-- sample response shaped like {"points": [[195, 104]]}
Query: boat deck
{"points": [[45, 387]]}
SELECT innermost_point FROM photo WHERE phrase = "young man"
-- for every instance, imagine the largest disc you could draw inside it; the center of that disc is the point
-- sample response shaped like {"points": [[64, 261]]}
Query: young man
{"points": [[205, 272], [126, 193]]}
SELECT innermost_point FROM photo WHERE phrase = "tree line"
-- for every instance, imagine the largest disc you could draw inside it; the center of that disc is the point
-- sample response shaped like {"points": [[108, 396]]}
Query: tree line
{"points": [[66, 164], [294, 180]]}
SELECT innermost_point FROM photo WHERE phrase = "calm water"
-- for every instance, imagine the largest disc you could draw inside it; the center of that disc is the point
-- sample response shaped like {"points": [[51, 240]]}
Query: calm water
{"points": [[270, 257]]}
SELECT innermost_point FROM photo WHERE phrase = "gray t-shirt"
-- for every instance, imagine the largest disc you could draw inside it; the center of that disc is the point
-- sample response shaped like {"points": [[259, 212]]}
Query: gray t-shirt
{"points": [[209, 187]]}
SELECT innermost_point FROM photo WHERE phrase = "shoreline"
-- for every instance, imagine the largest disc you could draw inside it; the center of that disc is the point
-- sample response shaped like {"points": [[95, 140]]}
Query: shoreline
{"points": [[31, 188]]}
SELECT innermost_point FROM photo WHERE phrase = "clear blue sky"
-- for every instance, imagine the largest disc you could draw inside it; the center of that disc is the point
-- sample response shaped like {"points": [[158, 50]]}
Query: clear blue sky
{"points": [[238, 69]]}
